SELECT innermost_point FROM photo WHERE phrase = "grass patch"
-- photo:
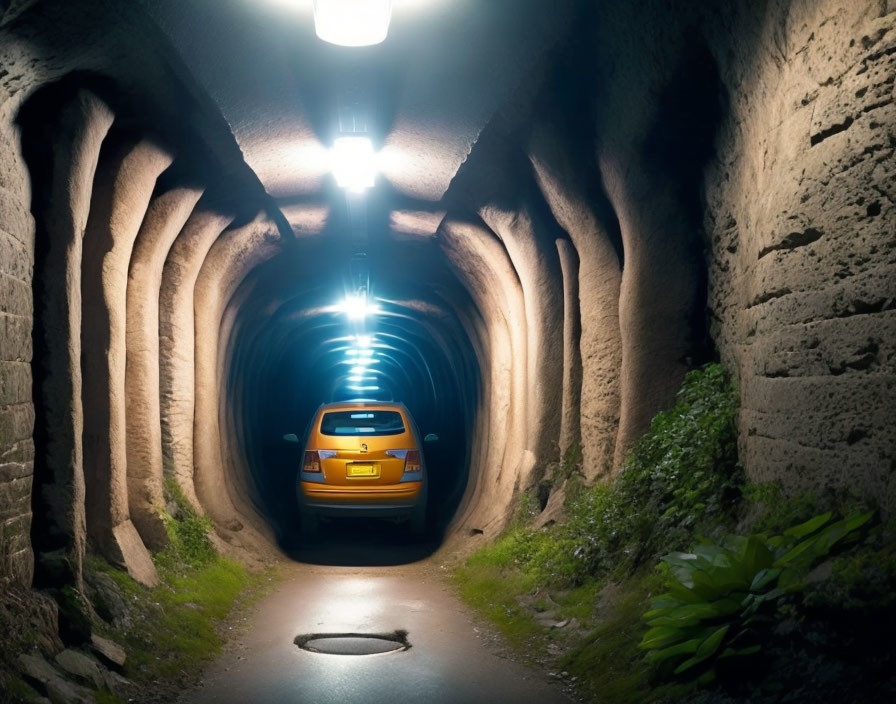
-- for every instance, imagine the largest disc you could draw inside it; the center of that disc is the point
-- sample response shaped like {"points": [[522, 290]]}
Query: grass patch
{"points": [[825, 630], [682, 478], [188, 534], [601, 656], [104, 697], [173, 627], [495, 592], [171, 630], [607, 664]]}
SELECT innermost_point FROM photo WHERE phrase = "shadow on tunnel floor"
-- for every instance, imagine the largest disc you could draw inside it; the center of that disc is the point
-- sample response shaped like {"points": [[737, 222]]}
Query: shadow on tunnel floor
{"points": [[361, 542]]}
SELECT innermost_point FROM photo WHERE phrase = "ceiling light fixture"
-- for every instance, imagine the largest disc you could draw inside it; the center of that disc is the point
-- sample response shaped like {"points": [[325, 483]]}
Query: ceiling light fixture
{"points": [[357, 307], [352, 22], [353, 163]]}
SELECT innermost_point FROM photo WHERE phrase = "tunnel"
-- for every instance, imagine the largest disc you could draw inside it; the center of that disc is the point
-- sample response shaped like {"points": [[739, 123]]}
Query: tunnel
{"points": [[294, 349], [563, 208]]}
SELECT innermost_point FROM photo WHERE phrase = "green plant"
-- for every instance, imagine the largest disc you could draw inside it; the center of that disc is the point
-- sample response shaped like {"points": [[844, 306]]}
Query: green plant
{"points": [[607, 663], [525, 510], [862, 583], [682, 478], [771, 509], [188, 533], [174, 628], [718, 596]]}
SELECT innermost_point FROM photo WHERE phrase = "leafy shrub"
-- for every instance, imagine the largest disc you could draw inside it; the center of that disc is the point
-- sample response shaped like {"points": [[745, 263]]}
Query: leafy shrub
{"points": [[720, 595], [682, 477], [862, 583], [525, 510]]}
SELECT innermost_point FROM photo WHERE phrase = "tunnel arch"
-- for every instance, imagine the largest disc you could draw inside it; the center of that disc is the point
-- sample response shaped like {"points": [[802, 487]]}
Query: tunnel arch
{"points": [[287, 333], [501, 335], [576, 254]]}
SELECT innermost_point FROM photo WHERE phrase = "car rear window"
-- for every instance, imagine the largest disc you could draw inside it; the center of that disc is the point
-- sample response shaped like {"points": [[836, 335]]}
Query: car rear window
{"points": [[362, 422]]}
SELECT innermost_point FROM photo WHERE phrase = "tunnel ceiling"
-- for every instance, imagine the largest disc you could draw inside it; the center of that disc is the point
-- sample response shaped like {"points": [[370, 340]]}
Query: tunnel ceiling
{"points": [[577, 202], [426, 93]]}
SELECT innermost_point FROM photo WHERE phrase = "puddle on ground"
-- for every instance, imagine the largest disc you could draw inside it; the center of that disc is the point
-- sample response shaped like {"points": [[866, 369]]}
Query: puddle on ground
{"points": [[354, 643]]}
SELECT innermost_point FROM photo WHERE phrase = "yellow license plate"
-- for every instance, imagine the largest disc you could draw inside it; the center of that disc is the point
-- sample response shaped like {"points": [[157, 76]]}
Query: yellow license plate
{"points": [[363, 470]]}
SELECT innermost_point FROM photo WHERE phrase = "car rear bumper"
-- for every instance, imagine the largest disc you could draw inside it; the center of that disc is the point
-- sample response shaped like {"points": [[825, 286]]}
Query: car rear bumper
{"points": [[386, 501]]}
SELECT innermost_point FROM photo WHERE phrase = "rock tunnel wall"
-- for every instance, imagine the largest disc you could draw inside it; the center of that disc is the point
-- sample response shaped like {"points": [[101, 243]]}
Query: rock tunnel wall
{"points": [[101, 185], [801, 204], [676, 183], [796, 202]]}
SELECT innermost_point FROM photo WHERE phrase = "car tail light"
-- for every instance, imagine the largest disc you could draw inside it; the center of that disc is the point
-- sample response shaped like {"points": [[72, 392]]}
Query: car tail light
{"points": [[312, 462], [412, 462]]}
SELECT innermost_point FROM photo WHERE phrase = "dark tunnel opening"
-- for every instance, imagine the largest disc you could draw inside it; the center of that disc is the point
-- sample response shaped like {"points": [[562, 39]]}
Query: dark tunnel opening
{"points": [[295, 350]]}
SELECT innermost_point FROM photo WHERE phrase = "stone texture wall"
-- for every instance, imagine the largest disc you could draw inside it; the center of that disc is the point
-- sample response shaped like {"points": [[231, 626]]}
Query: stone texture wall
{"points": [[63, 66], [16, 312], [800, 212]]}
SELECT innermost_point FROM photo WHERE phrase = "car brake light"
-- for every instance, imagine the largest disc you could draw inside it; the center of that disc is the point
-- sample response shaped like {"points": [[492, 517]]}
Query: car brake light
{"points": [[312, 462], [412, 462]]}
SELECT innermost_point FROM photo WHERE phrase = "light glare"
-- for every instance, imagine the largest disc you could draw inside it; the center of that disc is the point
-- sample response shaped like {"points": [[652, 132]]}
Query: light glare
{"points": [[353, 163], [357, 307], [359, 360], [352, 22]]}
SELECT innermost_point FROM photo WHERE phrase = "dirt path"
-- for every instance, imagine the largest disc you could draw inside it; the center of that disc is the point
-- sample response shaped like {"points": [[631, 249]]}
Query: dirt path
{"points": [[450, 659]]}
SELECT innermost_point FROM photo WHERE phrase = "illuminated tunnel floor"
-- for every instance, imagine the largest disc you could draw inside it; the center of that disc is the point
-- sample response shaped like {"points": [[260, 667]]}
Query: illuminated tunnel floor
{"points": [[452, 658]]}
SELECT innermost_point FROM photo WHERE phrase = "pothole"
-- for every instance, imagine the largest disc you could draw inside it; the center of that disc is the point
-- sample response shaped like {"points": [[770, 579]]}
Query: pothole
{"points": [[353, 643]]}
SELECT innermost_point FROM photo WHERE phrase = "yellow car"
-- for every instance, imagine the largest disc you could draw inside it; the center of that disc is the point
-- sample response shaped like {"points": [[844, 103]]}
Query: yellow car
{"points": [[363, 459]]}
